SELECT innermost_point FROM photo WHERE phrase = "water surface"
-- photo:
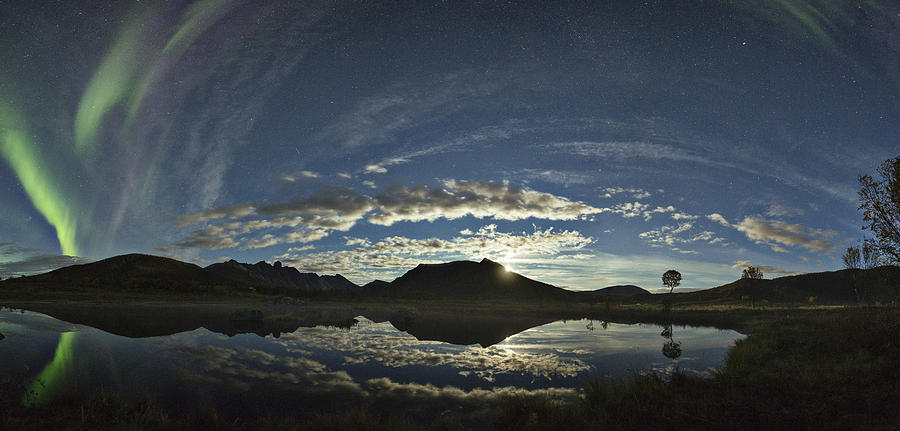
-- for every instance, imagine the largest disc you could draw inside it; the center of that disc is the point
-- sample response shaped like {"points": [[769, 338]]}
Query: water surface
{"points": [[310, 366]]}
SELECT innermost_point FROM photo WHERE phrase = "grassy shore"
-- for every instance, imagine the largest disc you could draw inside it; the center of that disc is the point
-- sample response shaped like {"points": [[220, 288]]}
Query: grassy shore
{"points": [[799, 369]]}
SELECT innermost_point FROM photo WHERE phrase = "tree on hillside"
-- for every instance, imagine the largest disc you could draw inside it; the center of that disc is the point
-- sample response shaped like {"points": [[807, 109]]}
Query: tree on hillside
{"points": [[671, 279], [752, 272], [869, 256], [880, 203], [864, 256], [851, 258]]}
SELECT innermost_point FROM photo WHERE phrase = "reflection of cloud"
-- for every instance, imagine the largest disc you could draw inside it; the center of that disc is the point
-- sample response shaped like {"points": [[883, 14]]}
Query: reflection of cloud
{"points": [[241, 365], [385, 346], [384, 387]]}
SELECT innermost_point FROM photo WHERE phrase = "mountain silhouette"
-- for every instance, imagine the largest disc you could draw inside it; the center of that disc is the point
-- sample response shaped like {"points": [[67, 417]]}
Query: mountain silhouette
{"points": [[278, 276], [141, 271], [466, 280]]}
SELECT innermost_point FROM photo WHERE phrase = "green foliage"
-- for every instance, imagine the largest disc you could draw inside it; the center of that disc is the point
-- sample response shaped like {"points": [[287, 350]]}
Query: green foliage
{"points": [[880, 203], [671, 279], [752, 272]]}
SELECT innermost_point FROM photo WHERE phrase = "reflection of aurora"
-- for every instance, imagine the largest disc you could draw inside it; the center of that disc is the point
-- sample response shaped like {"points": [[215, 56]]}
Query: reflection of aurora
{"points": [[43, 387]]}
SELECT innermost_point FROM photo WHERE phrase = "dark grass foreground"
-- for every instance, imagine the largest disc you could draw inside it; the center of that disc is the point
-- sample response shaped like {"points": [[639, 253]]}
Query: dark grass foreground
{"points": [[827, 370]]}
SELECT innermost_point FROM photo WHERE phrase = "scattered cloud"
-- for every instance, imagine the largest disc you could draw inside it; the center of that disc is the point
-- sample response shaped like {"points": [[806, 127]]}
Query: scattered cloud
{"points": [[339, 209], [480, 199], [635, 192], [233, 211], [299, 175], [678, 216], [776, 234], [766, 269], [718, 218], [37, 264], [777, 209], [378, 119], [210, 238], [11, 248], [628, 150], [375, 169], [553, 176], [393, 254], [672, 236], [638, 209]]}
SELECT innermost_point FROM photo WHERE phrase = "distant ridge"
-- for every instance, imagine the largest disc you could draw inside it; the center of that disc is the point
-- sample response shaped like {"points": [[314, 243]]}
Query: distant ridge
{"points": [[141, 271], [846, 286], [280, 277]]}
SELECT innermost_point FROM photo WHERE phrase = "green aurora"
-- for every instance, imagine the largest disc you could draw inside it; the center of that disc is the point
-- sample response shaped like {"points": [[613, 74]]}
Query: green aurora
{"points": [[19, 152]]}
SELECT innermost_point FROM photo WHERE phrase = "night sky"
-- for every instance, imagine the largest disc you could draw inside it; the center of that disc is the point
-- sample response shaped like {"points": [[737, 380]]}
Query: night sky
{"points": [[581, 144]]}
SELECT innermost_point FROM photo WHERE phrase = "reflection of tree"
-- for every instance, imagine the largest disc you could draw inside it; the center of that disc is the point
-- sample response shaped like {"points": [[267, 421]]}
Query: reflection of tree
{"points": [[590, 325], [671, 349]]}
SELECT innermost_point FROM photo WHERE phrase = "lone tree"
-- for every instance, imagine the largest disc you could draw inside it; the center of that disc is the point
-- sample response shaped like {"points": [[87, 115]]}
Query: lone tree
{"points": [[671, 279], [752, 272], [880, 202]]}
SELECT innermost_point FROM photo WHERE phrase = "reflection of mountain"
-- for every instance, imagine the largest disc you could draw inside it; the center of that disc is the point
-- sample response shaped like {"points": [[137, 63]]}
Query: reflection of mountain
{"points": [[465, 280], [457, 328], [153, 320]]}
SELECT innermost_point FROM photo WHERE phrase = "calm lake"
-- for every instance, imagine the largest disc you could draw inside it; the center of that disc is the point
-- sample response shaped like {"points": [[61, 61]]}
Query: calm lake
{"points": [[243, 362]]}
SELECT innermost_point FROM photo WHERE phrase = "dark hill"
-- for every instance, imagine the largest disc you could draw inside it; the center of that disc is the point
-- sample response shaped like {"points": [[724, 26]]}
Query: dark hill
{"points": [[466, 280], [620, 291], [125, 271], [374, 284], [845, 286]]}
